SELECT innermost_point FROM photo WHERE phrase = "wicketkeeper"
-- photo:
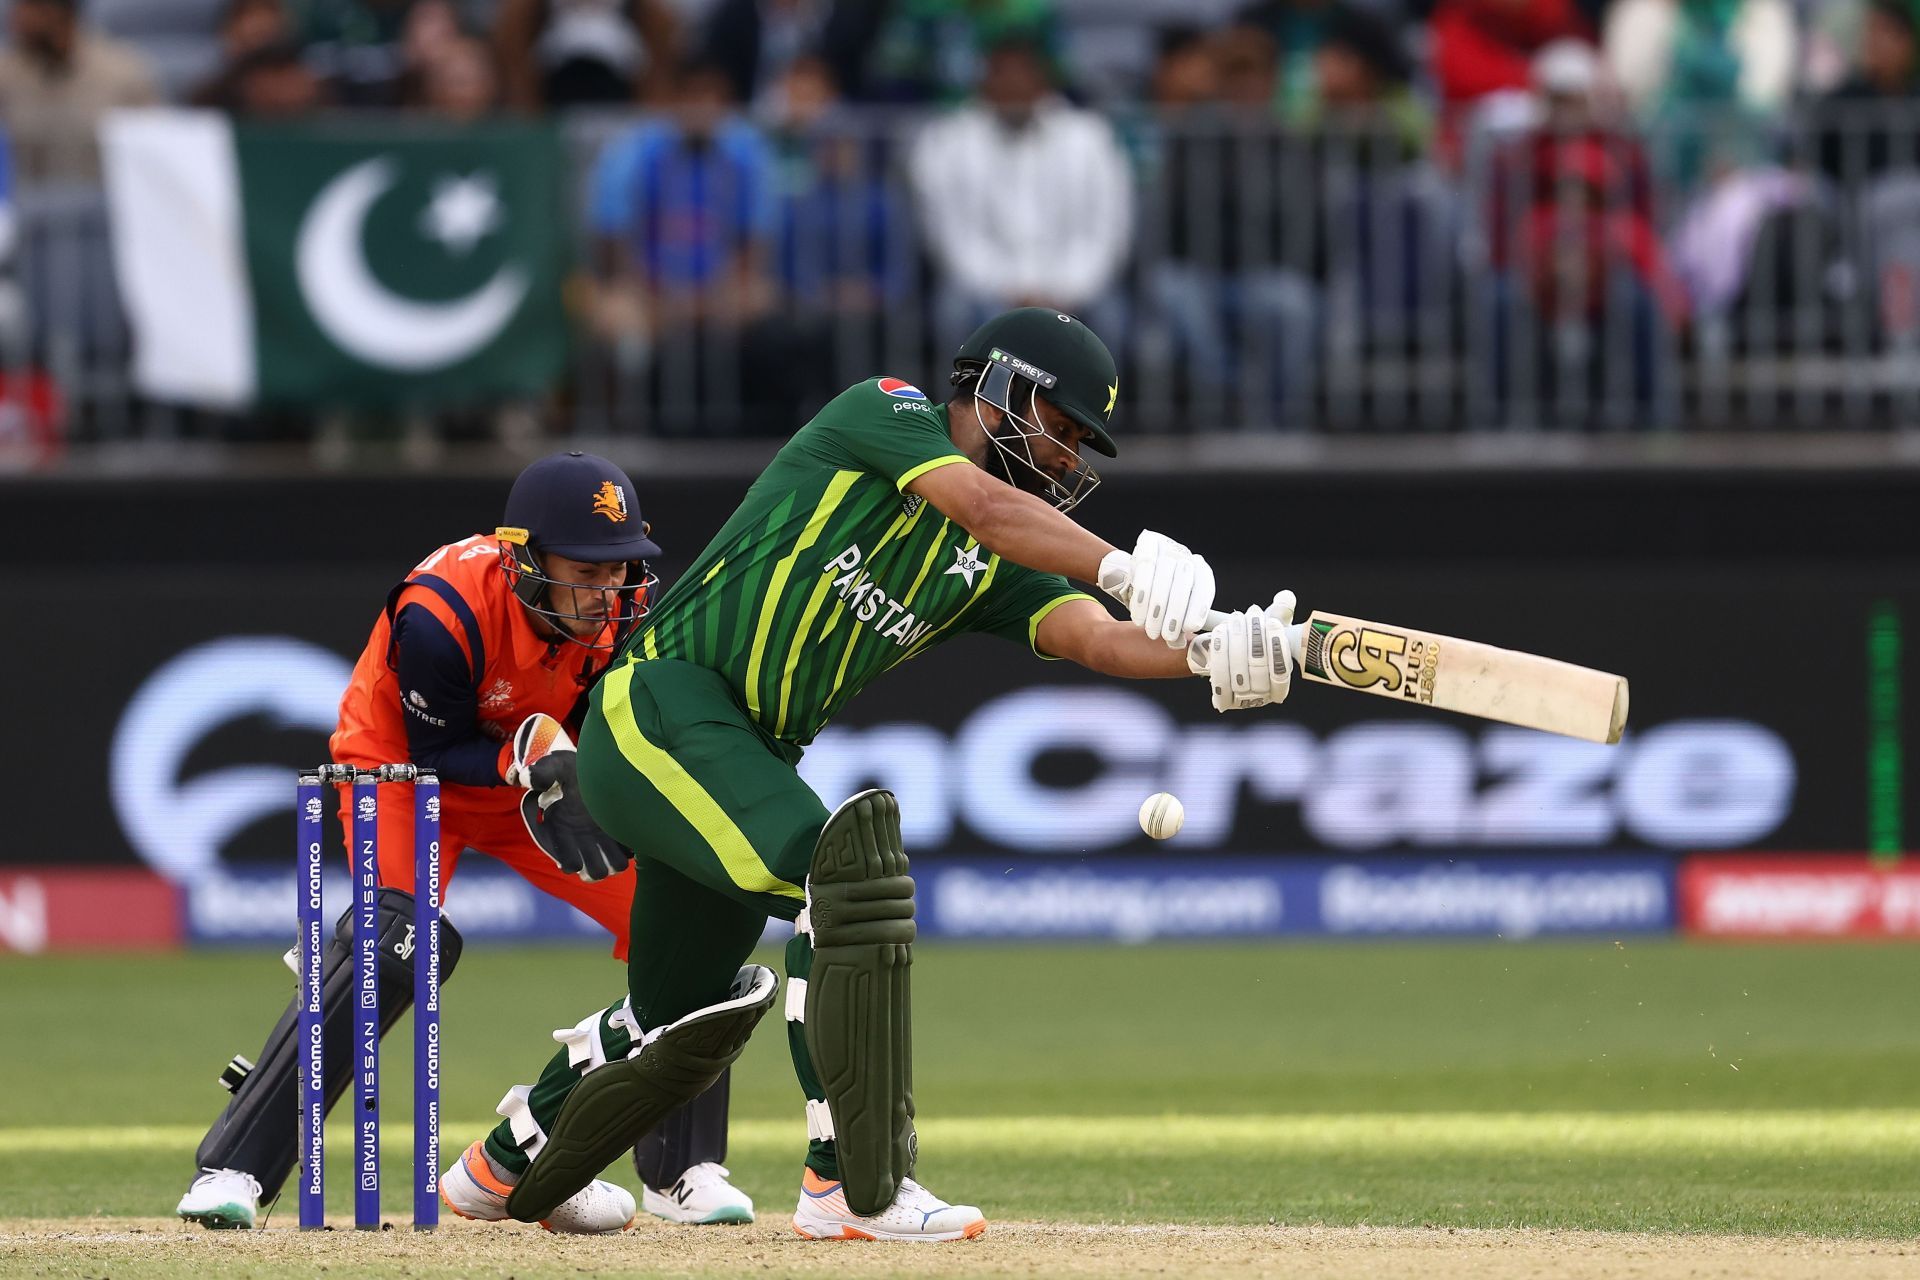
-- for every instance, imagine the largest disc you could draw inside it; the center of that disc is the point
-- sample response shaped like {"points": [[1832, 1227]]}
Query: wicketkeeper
{"points": [[476, 668], [886, 526]]}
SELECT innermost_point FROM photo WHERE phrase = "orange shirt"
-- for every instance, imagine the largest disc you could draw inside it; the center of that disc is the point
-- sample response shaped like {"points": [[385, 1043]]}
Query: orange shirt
{"points": [[453, 666]]}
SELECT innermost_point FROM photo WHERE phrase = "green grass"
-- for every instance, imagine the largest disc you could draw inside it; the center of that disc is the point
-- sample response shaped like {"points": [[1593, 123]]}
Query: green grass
{"points": [[1641, 1086]]}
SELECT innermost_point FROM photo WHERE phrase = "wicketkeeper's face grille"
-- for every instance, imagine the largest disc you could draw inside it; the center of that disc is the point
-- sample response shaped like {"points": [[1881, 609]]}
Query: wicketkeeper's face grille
{"points": [[580, 611]]}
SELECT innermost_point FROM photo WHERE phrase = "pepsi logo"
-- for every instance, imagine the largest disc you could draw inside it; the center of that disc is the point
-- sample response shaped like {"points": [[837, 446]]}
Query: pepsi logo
{"points": [[901, 389]]}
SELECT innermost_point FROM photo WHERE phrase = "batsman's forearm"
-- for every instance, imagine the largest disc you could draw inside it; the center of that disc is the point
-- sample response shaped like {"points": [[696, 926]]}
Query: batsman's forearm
{"points": [[1019, 527], [1127, 651]]}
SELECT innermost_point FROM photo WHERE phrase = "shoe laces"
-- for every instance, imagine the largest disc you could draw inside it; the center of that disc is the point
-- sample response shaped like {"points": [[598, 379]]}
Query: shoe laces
{"points": [[598, 1188], [914, 1196], [253, 1183], [704, 1174]]}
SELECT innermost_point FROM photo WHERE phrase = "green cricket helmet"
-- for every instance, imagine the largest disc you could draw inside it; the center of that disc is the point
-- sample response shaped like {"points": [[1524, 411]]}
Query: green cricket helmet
{"points": [[1034, 353]]}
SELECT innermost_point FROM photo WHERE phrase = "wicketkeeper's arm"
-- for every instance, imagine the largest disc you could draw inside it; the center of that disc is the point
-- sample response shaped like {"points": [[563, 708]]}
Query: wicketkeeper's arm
{"points": [[439, 704]]}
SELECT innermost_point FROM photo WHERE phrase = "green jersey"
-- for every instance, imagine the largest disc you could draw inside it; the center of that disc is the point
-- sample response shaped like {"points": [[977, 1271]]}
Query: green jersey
{"points": [[830, 572]]}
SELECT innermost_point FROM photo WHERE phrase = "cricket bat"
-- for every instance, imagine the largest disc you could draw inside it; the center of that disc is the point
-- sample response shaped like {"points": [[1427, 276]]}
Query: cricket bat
{"points": [[1467, 676]]}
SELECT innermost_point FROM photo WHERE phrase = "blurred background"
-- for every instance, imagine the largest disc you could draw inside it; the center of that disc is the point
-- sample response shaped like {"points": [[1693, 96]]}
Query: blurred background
{"points": [[1588, 328]]}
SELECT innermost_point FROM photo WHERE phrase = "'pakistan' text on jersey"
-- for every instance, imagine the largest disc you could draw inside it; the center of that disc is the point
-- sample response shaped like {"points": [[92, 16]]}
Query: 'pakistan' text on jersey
{"points": [[829, 572]]}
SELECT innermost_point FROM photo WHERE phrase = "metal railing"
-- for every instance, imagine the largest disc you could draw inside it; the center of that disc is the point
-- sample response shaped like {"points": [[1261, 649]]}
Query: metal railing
{"points": [[1709, 275]]}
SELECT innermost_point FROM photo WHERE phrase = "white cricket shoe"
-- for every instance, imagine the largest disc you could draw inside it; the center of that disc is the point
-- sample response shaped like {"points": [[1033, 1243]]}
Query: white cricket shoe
{"points": [[473, 1188], [701, 1197], [222, 1200], [916, 1214]]}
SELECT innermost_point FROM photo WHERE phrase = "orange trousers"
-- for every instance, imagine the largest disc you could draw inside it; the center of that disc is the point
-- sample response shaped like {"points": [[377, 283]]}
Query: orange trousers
{"points": [[487, 819]]}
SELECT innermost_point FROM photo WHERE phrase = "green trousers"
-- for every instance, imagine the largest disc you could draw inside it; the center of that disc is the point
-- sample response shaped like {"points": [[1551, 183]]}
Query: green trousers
{"points": [[722, 830]]}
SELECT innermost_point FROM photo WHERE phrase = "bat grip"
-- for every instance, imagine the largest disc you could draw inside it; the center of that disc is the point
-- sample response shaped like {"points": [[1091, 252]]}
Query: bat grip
{"points": [[1296, 636]]}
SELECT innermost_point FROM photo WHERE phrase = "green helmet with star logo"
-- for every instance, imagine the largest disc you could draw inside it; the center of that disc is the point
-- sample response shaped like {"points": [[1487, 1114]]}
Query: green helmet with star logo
{"points": [[1065, 361]]}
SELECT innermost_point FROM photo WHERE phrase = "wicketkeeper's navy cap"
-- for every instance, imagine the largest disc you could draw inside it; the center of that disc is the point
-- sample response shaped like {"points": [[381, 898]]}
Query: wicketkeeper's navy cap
{"points": [[581, 507]]}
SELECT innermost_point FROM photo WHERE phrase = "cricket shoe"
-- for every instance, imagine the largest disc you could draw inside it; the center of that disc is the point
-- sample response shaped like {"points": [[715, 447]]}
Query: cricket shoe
{"points": [[474, 1187], [222, 1200], [916, 1214], [701, 1197]]}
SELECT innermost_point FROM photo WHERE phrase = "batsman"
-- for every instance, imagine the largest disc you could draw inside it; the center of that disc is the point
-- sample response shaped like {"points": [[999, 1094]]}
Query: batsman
{"points": [[886, 526]]}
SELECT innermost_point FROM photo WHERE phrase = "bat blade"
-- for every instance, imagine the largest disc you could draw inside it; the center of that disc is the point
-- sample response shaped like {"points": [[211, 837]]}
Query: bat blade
{"points": [[1462, 675]]}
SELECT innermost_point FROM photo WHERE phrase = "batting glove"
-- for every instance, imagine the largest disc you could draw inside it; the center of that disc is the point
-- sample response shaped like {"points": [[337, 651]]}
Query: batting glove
{"points": [[1246, 658], [1167, 589]]}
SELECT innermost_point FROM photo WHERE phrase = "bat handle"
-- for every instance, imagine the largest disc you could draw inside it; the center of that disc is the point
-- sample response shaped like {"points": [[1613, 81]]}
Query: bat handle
{"points": [[1196, 656]]}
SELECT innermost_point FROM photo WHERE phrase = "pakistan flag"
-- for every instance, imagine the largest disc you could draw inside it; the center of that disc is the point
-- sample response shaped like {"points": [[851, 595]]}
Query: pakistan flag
{"points": [[347, 263]]}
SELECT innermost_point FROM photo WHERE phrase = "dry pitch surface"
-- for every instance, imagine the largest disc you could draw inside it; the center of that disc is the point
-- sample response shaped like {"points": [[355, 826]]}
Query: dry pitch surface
{"points": [[1655, 1110], [164, 1248]]}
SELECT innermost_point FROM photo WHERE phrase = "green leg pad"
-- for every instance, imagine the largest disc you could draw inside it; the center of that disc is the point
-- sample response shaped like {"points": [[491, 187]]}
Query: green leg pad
{"points": [[613, 1107], [858, 1028]]}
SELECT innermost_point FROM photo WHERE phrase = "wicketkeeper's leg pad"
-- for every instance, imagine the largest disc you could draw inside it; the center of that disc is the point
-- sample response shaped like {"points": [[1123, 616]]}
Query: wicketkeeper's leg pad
{"points": [[614, 1104], [253, 1134], [857, 1019]]}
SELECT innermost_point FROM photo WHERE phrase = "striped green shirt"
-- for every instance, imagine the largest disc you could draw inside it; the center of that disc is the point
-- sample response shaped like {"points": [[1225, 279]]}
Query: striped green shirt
{"points": [[829, 572]]}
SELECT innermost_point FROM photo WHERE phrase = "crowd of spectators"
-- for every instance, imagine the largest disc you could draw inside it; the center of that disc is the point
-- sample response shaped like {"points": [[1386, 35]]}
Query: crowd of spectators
{"points": [[1246, 187]]}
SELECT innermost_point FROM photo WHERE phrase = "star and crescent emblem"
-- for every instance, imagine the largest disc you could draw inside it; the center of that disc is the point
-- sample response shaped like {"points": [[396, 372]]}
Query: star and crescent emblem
{"points": [[966, 563], [362, 315]]}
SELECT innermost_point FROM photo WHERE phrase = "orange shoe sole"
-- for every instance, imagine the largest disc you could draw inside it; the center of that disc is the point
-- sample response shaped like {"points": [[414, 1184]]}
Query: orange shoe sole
{"points": [[972, 1231]]}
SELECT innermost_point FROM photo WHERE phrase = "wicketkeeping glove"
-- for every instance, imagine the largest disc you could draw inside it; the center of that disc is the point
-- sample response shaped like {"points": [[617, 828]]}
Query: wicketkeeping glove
{"points": [[1246, 658], [545, 763]]}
